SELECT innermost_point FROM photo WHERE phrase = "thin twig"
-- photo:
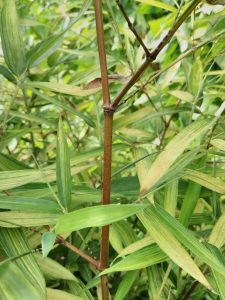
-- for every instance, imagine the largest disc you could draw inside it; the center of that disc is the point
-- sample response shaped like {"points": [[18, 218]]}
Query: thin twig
{"points": [[154, 53], [62, 241], [176, 26], [181, 57], [132, 28]]}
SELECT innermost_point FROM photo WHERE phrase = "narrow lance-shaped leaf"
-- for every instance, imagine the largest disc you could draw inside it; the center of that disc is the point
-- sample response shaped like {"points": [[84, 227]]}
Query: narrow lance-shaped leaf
{"points": [[219, 278], [27, 219], [218, 143], [62, 88], [12, 45], [54, 294], [171, 193], [142, 258], [28, 204], [96, 216], [125, 285], [172, 151], [154, 282], [14, 284], [48, 46], [63, 172], [189, 202], [66, 107], [7, 74], [52, 269], [210, 182], [159, 4], [185, 236], [191, 197], [217, 236], [170, 245], [14, 243]]}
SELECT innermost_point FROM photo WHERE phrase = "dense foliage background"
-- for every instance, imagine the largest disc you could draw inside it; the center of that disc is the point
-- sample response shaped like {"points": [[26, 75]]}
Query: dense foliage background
{"points": [[168, 138]]}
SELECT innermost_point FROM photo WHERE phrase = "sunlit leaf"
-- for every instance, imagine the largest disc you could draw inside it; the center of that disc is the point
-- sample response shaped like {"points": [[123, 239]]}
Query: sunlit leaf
{"points": [[96, 216], [159, 4], [172, 151]]}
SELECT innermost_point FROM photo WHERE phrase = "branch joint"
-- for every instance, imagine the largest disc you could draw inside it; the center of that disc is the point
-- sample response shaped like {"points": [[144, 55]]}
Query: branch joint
{"points": [[109, 110]]}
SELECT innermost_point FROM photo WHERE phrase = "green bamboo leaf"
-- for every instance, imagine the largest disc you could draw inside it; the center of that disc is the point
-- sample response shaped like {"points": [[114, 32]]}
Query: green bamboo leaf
{"points": [[95, 216], [63, 172], [48, 46], [196, 76], [28, 204], [78, 288], [14, 134], [47, 242], [12, 45], [171, 194], [210, 182], [169, 244], [121, 234], [14, 284], [7, 74], [12, 179], [32, 118], [189, 202], [52, 269], [218, 143], [125, 285], [143, 114], [185, 236], [140, 259], [14, 243], [62, 88], [59, 295], [159, 4], [217, 236], [219, 278], [155, 282], [13, 219], [191, 197], [138, 245], [172, 151], [44, 49], [65, 107], [143, 165], [182, 95], [8, 163], [115, 240]]}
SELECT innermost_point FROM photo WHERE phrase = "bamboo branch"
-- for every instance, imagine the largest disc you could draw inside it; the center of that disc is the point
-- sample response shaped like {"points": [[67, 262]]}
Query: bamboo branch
{"points": [[154, 53], [180, 58], [108, 124], [175, 27], [132, 28], [62, 241]]}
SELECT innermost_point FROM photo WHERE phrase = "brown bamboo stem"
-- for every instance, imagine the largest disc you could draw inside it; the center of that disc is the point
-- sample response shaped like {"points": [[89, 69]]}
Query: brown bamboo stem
{"points": [[107, 160]]}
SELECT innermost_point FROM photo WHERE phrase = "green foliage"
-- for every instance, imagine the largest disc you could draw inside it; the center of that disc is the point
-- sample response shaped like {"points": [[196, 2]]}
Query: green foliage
{"points": [[167, 211]]}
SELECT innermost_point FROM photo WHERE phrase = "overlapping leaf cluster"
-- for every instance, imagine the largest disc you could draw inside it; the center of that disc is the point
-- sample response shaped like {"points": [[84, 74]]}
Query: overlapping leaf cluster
{"points": [[168, 172]]}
